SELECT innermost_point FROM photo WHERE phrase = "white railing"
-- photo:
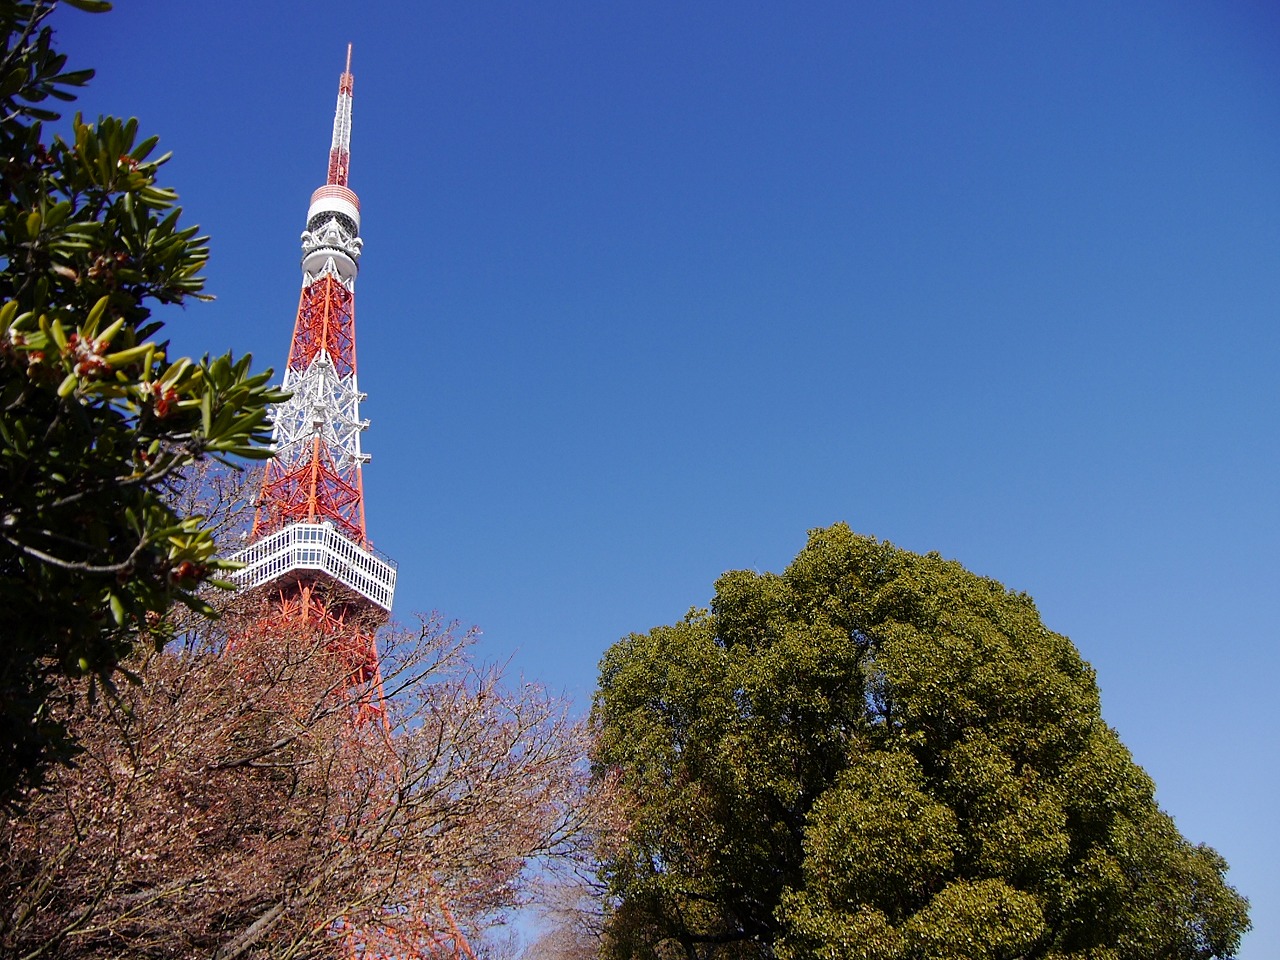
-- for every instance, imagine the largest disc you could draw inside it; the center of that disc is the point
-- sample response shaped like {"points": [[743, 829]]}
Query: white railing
{"points": [[317, 546]]}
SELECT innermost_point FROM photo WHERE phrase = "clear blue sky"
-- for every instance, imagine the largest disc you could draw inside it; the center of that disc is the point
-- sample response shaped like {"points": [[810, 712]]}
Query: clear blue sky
{"points": [[651, 289]]}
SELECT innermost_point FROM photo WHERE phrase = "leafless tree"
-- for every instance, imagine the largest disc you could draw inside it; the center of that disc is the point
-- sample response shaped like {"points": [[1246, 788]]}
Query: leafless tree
{"points": [[571, 901], [235, 803]]}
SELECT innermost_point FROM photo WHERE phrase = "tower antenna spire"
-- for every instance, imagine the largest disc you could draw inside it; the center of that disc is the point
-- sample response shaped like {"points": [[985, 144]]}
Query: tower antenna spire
{"points": [[340, 148]]}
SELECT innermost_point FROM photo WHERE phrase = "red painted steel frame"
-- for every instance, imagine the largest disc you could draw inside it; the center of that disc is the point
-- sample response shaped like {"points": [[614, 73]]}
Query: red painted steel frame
{"points": [[326, 321]]}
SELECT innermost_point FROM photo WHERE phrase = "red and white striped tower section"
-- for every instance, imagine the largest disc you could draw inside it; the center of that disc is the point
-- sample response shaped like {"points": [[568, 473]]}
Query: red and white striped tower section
{"points": [[309, 548]]}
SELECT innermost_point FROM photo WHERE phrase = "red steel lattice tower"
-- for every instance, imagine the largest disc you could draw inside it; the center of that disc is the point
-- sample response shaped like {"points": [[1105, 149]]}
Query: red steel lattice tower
{"points": [[309, 546], [309, 551]]}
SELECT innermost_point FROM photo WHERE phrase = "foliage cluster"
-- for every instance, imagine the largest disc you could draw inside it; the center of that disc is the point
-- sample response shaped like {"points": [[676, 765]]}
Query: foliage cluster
{"points": [[95, 418], [880, 755]]}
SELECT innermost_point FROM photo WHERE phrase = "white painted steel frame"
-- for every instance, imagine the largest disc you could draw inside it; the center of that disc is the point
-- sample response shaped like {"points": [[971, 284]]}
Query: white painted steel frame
{"points": [[320, 547], [325, 404], [342, 122]]}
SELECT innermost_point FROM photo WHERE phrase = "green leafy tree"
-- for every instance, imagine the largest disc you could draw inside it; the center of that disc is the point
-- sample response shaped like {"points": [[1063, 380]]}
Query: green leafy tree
{"points": [[880, 755], [95, 420]]}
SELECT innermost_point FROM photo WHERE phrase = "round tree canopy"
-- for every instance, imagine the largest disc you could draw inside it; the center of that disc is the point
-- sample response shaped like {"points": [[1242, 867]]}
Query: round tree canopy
{"points": [[881, 755]]}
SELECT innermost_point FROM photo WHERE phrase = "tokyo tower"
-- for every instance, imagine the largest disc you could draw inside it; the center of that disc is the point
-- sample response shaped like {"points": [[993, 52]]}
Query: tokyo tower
{"points": [[309, 547], [309, 552]]}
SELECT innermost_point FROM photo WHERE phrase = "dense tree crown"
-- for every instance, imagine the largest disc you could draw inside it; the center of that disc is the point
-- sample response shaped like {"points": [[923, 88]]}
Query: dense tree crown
{"points": [[881, 755], [95, 419]]}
